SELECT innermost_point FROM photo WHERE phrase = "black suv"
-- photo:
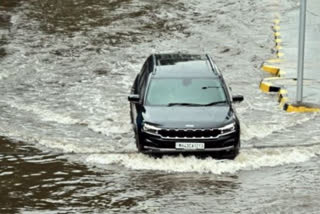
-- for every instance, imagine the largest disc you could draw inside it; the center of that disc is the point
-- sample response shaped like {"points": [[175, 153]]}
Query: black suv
{"points": [[180, 103]]}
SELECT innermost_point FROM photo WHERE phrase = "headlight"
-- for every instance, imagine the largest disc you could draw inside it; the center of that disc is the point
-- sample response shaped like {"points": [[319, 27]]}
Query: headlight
{"points": [[150, 128], [228, 128]]}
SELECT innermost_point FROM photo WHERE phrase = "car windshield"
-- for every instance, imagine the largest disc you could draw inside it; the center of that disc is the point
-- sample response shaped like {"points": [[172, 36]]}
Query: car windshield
{"points": [[185, 91]]}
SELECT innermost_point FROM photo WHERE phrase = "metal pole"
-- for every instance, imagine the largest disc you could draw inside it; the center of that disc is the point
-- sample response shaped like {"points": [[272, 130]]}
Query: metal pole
{"points": [[302, 33]]}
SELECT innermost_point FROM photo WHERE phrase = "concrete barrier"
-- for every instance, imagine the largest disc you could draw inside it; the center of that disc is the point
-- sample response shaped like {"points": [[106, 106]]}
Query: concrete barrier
{"points": [[282, 68]]}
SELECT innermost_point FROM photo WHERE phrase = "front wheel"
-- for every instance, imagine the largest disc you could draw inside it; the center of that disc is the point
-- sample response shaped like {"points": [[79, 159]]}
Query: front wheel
{"points": [[234, 153], [139, 143]]}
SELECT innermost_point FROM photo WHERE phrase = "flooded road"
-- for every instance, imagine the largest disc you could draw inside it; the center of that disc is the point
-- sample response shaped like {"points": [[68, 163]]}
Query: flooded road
{"points": [[66, 68]]}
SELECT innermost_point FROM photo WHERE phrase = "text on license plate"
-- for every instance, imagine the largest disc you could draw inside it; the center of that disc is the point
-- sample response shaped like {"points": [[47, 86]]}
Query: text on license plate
{"points": [[189, 145]]}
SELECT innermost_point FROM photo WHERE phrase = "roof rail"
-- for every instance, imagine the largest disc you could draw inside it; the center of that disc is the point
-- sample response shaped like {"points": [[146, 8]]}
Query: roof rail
{"points": [[213, 66]]}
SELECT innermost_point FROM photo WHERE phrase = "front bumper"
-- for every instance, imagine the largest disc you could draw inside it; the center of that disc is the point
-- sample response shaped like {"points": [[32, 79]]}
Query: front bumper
{"points": [[150, 149], [156, 144]]}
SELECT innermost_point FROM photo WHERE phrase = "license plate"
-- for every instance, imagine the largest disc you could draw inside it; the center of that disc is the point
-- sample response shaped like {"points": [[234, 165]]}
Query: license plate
{"points": [[191, 146]]}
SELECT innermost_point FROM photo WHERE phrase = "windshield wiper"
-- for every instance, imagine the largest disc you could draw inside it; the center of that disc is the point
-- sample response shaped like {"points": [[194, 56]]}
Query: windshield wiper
{"points": [[215, 103], [184, 104], [196, 104], [206, 87]]}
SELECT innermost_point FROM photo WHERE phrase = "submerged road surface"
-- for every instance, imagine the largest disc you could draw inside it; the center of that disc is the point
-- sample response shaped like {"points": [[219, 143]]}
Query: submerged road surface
{"points": [[66, 67]]}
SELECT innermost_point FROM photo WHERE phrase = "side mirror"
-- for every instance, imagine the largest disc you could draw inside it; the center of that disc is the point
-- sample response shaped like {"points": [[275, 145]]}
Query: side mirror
{"points": [[134, 98], [237, 98]]}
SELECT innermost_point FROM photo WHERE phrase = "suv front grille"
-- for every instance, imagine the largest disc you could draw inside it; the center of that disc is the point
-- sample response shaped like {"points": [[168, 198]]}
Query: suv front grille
{"points": [[189, 133]]}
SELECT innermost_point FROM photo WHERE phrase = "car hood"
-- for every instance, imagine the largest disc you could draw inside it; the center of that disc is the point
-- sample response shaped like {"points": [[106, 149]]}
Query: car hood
{"points": [[188, 117]]}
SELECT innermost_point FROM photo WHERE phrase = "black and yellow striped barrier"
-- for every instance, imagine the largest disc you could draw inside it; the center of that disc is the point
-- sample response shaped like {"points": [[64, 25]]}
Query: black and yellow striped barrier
{"points": [[268, 85]]}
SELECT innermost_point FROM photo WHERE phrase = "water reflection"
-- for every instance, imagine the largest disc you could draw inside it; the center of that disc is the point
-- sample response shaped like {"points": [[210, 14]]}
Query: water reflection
{"points": [[9, 4], [112, 21], [165, 184], [6, 6], [33, 180], [71, 15]]}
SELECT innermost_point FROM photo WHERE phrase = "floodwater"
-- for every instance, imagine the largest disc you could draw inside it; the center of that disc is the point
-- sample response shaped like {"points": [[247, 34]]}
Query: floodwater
{"points": [[66, 67]]}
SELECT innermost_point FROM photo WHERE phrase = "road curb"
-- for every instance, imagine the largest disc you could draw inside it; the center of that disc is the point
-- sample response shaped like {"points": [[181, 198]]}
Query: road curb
{"points": [[267, 85]]}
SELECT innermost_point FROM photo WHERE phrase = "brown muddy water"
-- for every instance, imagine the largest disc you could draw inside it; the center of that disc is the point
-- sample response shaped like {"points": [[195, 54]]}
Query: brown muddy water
{"points": [[66, 67]]}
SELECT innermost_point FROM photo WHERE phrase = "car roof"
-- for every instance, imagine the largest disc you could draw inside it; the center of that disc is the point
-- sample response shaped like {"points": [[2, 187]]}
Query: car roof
{"points": [[183, 65]]}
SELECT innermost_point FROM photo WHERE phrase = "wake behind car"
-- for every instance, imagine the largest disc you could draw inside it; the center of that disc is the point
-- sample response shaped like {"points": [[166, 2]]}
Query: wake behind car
{"points": [[180, 103]]}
